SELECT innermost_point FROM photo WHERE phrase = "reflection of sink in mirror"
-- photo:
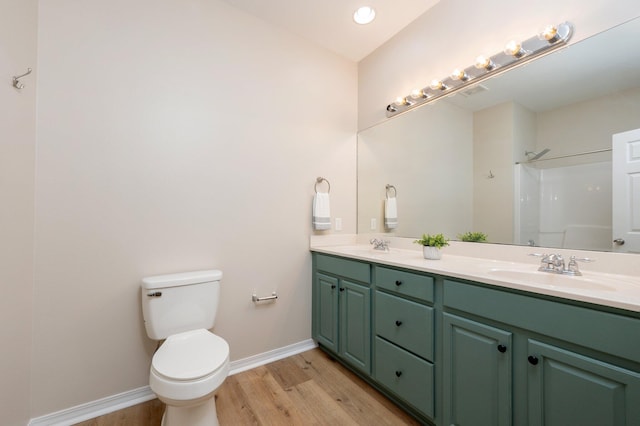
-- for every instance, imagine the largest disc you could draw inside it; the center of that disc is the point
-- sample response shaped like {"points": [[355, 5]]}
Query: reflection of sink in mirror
{"points": [[557, 280]]}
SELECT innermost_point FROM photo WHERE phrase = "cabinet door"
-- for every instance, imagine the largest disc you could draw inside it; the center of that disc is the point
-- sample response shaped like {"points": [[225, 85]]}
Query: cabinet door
{"points": [[326, 311], [569, 389], [355, 324], [477, 374]]}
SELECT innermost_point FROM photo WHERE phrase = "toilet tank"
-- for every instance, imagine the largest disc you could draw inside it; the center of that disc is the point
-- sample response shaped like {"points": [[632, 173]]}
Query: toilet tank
{"points": [[176, 303]]}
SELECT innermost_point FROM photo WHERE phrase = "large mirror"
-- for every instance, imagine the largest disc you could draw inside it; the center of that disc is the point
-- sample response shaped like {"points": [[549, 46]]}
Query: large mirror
{"points": [[524, 157]]}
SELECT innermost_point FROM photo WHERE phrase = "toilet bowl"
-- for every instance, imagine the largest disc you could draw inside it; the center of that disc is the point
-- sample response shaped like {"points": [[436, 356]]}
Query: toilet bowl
{"points": [[185, 373]]}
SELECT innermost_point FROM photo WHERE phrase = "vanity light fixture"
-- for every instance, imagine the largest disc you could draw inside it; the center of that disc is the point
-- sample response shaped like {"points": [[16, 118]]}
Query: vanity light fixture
{"points": [[515, 53], [364, 15]]}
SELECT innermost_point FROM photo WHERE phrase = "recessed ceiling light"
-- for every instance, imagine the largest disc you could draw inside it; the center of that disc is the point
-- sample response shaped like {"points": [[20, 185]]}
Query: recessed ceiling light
{"points": [[364, 15]]}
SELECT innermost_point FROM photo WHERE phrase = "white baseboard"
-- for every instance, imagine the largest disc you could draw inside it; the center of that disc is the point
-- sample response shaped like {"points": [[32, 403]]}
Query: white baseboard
{"points": [[271, 356], [122, 400], [94, 409]]}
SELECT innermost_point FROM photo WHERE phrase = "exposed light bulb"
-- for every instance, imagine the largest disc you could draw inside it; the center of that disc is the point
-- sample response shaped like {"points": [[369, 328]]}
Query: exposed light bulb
{"points": [[459, 74], [364, 15], [514, 49], [417, 94], [400, 101], [482, 62], [437, 85], [550, 33]]}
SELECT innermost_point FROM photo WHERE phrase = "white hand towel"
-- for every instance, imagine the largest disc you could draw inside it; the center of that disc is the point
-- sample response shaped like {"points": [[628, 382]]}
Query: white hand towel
{"points": [[390, 213], [321, 211]]}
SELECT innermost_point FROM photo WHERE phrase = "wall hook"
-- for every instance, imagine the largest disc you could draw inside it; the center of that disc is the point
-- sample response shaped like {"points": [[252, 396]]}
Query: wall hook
{"points": [[16, 79], [490, 175]]}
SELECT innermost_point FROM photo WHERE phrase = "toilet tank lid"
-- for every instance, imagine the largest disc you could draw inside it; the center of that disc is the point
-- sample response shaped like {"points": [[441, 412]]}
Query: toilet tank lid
{"points": [[184, 278]]}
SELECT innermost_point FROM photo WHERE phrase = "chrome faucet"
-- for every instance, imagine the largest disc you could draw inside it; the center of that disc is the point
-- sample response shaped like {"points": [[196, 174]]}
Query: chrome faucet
{"points": [[552, 263], [555, 263], [380, 244]]}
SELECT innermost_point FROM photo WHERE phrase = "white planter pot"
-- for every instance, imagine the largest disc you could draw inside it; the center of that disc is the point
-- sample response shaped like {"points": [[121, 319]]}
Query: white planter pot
{"points": [[433, 253]]}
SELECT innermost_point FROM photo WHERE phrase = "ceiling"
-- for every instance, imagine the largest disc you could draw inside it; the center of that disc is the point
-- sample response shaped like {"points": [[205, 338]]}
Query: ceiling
{"points": [[329, 23]]}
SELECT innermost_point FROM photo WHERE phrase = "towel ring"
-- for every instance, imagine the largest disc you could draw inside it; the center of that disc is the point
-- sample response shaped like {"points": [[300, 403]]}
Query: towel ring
{"points": [[388, 187], [320, 180]]}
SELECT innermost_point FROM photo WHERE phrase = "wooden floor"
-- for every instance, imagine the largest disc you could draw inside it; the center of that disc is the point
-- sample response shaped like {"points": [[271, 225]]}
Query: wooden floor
{"points": [[305, 389]]}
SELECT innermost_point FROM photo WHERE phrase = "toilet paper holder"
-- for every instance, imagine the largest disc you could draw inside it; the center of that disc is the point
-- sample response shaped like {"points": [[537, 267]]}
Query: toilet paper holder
{"points": [[255, 298]]}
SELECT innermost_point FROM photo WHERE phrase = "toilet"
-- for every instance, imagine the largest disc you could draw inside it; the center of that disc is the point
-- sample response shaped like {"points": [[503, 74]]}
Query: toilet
{"points": [[192, 362]]}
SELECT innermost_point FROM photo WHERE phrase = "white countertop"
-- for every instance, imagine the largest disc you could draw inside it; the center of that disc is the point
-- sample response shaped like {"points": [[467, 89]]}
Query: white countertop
{"points": [[607, 289]]}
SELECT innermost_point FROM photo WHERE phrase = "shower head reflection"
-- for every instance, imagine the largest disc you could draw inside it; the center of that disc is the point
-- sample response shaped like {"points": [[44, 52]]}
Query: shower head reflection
{"points": [[532, 156]]}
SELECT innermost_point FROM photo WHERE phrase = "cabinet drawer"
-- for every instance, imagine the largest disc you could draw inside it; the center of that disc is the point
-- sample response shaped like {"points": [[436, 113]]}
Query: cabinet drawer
{"points": [[405, 323], [405, 283], [406, 375], [344, 267]]}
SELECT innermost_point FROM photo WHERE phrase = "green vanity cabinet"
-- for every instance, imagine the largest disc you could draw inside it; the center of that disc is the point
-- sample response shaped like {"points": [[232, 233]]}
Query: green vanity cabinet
{"points": [[477, 373], [341, 319], [455, 352]]}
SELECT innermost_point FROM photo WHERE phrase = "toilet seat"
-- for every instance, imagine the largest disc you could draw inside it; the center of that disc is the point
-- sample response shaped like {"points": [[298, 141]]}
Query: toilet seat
{"points": [[190, 355], [189, 365]]}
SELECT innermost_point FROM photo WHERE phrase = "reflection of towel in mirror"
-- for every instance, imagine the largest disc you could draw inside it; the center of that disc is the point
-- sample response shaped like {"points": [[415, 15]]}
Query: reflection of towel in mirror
{"points": [[390, 213], [321, 211]]}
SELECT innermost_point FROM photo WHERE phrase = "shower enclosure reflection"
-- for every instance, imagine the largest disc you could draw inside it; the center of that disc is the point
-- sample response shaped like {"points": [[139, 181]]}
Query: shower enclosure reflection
{"points": [[550, 206]]}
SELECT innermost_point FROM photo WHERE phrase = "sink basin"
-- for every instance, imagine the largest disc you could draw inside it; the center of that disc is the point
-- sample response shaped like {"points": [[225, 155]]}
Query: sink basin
{"points": [[557, 280]]}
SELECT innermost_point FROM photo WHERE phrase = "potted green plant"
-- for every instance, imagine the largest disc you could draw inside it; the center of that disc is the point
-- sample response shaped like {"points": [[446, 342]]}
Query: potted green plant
{"points": [[432, 245], [473, 237]]}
